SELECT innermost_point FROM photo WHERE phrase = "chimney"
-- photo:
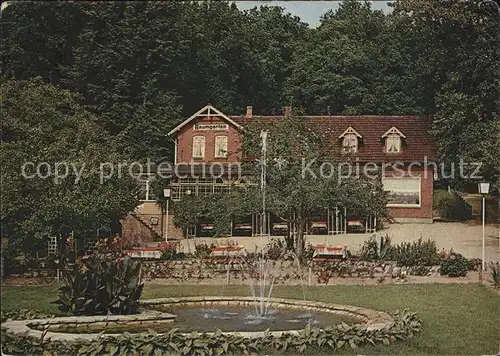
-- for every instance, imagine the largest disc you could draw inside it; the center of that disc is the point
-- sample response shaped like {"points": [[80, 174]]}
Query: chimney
{"points": [[288, 110], [249, 113]]}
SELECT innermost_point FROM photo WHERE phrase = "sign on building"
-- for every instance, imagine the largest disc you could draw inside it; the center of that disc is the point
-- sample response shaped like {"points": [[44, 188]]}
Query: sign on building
{"points": [[211, 127]]}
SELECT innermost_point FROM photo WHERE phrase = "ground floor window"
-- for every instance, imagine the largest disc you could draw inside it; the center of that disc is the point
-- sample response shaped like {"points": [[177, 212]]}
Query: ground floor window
{"points": [[403, 192], [199, 187]]}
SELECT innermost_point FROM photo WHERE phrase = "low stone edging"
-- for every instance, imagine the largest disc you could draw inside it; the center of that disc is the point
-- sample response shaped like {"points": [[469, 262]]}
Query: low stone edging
{"points": [[370, 319], [53, 328]]}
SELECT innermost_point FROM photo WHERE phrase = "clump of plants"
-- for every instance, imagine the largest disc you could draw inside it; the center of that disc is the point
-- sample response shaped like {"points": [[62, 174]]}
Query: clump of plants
{"points": [[202, 250], [15, 261], [103, 284], [275, 249], [455, 265], [495, 274], [449, 205], [420, 270], [374, 251], [23, 314], [170, 253], [417, 253], [475, 264], [308, 252]]}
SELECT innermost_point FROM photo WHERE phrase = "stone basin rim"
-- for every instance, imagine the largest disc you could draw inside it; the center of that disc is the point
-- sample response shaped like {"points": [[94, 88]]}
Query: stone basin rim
{"points": [[373, 319]]}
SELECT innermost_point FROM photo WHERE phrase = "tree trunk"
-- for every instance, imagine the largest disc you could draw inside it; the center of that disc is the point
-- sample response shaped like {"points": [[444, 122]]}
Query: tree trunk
{"points": [[299, 246]]}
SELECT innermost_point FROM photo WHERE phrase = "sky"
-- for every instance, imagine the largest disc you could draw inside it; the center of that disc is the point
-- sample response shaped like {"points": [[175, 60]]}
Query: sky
{"points": [[308, 11]]}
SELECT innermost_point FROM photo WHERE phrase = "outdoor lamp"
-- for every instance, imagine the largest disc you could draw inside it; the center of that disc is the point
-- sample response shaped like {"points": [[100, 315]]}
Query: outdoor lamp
{"points": [[483, 188]]}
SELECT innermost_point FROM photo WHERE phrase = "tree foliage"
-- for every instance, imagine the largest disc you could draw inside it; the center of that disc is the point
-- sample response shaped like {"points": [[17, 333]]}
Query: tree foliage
{"points": [[141, 66], [44, 125]]}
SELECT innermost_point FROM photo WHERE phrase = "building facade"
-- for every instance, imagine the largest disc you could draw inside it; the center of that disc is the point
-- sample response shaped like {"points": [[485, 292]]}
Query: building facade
{"points": [[399, 146]]}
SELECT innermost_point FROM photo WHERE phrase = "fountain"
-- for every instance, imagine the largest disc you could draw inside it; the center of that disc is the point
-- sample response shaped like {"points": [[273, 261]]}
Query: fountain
{"points": [[249, 316], [261, 302]]}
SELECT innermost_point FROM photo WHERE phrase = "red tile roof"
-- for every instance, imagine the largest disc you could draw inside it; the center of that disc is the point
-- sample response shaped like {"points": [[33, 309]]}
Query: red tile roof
{"points": [[417, 145]]}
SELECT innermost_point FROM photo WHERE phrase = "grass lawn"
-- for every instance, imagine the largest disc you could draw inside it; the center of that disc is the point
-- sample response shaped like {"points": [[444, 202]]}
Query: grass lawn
{"points": [[458, 318]]}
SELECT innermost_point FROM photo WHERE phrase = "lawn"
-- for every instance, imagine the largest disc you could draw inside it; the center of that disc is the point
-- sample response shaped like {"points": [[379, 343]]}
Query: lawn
{"points": [[458, 318]]}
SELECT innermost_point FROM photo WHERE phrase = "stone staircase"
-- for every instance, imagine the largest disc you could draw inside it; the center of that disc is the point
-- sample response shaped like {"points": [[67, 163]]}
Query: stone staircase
{"points": [[147, 220], [466, 207]]}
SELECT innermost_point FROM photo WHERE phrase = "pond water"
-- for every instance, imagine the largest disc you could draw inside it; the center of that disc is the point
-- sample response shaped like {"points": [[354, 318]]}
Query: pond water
{"points": [[245, 319], [229, 318]]}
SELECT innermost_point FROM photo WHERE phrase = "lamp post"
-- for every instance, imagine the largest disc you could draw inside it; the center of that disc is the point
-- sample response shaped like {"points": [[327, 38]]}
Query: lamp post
{"points": [[263, 136], [484, 188], [188, 193], [166, 194]]}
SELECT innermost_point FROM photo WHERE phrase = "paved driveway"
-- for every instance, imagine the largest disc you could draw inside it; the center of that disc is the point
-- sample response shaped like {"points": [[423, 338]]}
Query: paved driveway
{"points": [[465, 238]]}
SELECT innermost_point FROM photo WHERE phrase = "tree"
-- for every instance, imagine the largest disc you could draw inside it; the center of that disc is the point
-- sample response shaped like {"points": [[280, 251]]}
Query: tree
{"points": [[455, 49], [219, 208], [303, 178], [123, 69], [51, 154], [335, 66], [38, 39]]}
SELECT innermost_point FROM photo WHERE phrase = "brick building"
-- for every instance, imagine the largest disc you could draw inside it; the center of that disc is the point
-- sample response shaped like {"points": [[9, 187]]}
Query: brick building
{"points": [[399, 146]]}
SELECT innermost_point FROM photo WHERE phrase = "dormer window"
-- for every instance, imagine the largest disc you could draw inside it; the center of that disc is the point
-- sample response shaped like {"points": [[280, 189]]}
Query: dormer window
{"points": [[350, 139], [393, 140]]}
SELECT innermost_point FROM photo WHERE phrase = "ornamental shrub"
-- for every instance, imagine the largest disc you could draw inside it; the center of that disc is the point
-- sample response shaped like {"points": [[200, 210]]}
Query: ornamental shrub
{"points": [[449, 205], [275, 249], [170, 252], [495, 274], [417, 253], [373, 251], [202, 250], [103, 284], [455, 265]]}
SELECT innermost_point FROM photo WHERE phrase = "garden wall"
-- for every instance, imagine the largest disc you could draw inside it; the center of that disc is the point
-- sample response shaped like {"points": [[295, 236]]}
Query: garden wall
{"points": [[192, 271]]}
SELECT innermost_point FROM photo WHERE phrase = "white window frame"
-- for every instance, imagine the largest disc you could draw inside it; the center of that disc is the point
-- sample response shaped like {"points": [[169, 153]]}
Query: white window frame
{"points": [[392, 205], [393, 134], [216, 146], [346, 137], [202, 143], [347, 147], [393, 139]]}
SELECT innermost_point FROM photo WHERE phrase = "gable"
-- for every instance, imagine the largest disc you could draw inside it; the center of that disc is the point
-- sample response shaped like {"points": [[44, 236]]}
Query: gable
{"points": [[393, 131], [350, 131], [207, 111]]}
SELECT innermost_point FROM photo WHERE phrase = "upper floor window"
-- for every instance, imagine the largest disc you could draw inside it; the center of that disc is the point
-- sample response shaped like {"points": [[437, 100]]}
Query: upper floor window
{"points": [[220, 146], [198, 146], [393, 144], [350, 139], [393, 140]]}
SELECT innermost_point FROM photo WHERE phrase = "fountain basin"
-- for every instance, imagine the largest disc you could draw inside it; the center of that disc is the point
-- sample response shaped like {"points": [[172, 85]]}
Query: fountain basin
{"points": [[327, 314], [363, 317]]}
